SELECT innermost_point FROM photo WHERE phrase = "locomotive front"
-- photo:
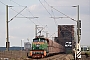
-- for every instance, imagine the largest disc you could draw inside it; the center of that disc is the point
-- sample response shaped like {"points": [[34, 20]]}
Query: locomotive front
{"points": [[39, 48]]}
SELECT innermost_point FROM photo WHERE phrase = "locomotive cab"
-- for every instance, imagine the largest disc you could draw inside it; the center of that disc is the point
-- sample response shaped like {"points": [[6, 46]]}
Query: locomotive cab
{"points": [[39, 48]]}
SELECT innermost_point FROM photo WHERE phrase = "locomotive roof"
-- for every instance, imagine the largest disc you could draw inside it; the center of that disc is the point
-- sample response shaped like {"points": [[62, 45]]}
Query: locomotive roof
{"points": [[41, 38]]}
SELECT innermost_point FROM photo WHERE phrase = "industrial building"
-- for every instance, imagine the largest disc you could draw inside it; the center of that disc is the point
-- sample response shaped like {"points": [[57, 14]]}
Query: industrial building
{"points": [[27, 46]]}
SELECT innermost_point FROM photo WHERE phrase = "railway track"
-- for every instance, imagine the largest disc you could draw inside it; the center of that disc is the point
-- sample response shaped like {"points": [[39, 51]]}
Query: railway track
{"points": [[55, 57]]}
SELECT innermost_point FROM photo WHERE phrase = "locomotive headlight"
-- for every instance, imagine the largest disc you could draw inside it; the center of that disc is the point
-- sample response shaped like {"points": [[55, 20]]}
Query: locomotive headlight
{"points": [[42, 52], [33, 52], [37, 45]]}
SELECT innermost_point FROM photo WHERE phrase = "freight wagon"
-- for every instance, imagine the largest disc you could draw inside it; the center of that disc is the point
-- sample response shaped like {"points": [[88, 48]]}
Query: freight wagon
{"points": [[42, 47]]}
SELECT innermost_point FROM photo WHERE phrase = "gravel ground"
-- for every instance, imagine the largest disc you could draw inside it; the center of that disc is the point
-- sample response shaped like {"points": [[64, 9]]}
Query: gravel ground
{"points": [[21, 55], [56, 57]]}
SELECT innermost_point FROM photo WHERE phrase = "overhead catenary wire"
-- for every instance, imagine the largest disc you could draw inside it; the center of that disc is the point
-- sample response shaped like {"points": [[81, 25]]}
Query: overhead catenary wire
{"points": [[31, 13], [52, 11], [45, 8], [38, 21], [33, 16], [27, 17], [22, 6], [2, 3], [60, 11], [28, 11], [60, 17], [24, 16], [53, 14], [53, 34], [63, 13], [66, 16], [17, 14], [46, 3], [16, 3], [54, 18], [48, 12], [50, 15]]}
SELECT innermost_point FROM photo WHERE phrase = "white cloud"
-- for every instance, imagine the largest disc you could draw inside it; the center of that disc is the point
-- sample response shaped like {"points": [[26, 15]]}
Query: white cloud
{"points": [[33, 7]]}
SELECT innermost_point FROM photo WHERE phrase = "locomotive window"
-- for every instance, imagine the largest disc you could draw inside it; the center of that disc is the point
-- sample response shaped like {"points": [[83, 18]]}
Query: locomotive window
{"points": [[35, 40], [42, 40]]}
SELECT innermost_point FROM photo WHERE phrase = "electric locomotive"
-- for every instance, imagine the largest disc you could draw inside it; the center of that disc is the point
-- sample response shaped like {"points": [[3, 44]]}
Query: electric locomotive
{"points": [[42, 47], [39, 47]]}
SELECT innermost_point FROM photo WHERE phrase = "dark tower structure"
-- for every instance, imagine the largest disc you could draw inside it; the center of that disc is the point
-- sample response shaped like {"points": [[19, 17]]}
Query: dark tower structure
{"points": [[66, 37]]}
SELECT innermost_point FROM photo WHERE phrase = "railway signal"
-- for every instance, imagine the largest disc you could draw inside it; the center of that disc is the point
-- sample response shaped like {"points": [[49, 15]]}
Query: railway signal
{"points": [[79, 27]]}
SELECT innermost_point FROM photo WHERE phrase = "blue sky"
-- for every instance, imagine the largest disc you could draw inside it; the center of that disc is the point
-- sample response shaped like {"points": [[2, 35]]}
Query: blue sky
{"points": [[22, 28]]}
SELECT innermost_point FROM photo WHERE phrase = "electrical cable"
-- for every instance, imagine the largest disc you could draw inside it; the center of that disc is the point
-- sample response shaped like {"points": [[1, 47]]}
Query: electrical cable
{"points": [[2, 3], [47, 3], [62, 17], [23, 16], [53, 34], [33, 16], [63, 13], [59, 11], [49, 13], [54, 18], [26, 9], [16, 3], [29, 19], [21, 11], [17, 14], [45, 8]]}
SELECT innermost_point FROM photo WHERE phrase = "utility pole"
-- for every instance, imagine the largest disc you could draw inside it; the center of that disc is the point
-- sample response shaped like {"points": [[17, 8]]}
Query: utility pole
{"points": [[78, 25], [7, 38], [7, 33], [21, 45], [78, 48], [47, 34]]}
